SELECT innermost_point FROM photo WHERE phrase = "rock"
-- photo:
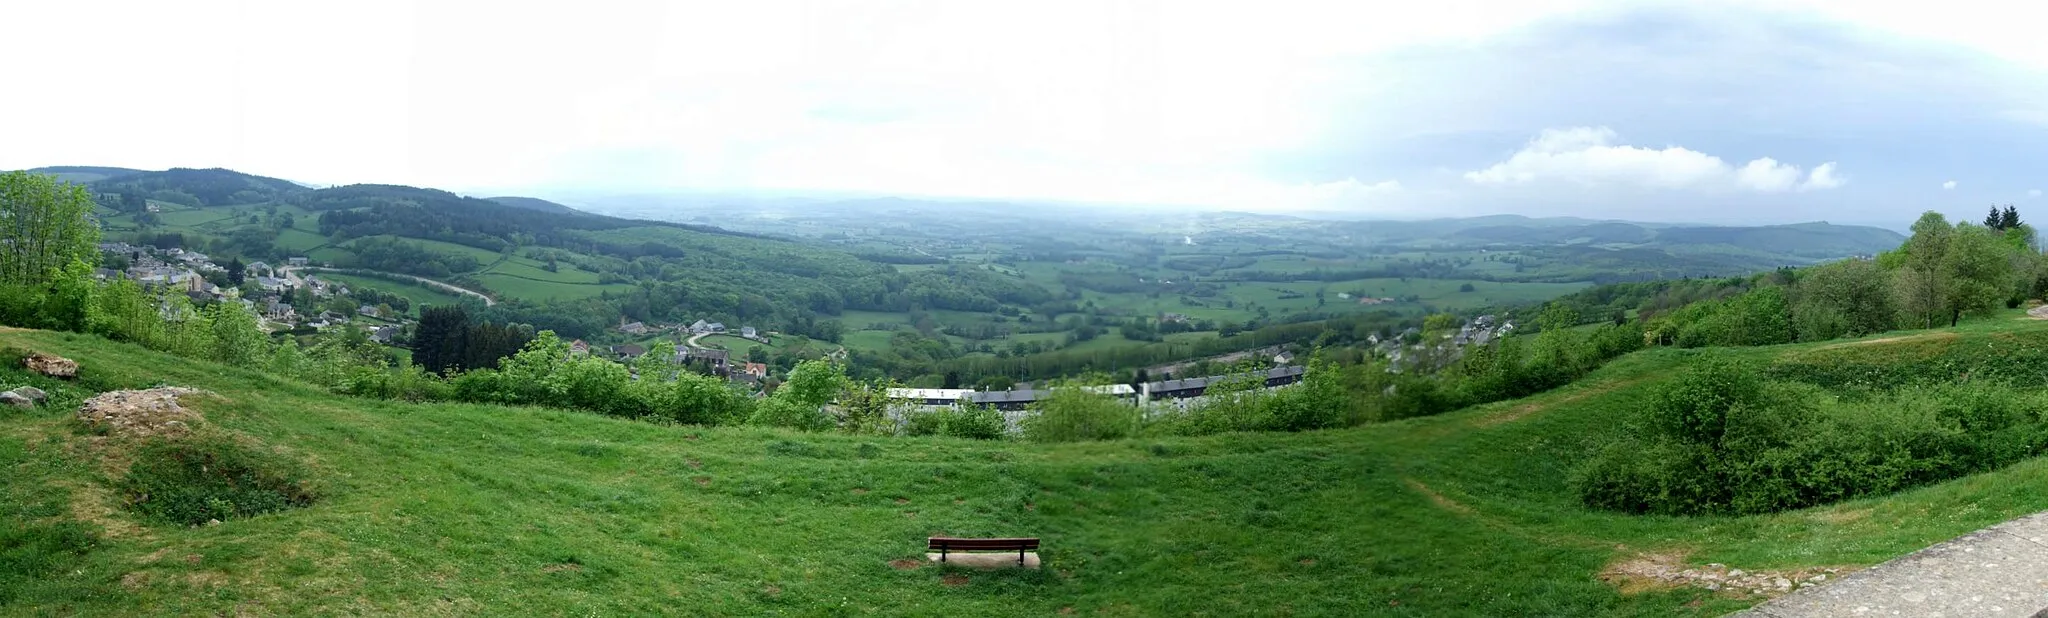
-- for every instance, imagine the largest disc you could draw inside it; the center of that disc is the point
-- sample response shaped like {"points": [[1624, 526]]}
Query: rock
{"points": [[32, 393], [213, 522], [1818, 578], [1735, 573], [139, 413], [1781, 583], [16, 399], [51, 365]]}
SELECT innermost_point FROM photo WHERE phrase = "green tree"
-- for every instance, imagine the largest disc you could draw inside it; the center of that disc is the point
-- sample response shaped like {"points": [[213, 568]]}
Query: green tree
{"points": [[1922, 286], [237, 338], [46, 228], [1977, 273], [441, 340], [1849, 298]]}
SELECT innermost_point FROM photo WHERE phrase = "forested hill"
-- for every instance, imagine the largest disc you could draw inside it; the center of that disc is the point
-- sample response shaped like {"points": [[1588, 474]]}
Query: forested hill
{"points": [[534, 203], [84, 173], [196, 187]]}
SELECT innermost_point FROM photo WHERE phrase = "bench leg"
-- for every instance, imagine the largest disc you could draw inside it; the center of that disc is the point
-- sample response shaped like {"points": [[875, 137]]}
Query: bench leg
{"points": [[1020, 556], [942, 554]]}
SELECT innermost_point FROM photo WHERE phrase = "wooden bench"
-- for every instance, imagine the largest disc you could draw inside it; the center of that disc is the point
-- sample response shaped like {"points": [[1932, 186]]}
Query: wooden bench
{"points": [[946, 545]]}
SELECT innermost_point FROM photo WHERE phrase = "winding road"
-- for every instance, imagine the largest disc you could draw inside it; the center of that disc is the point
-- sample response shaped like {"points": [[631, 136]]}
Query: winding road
{"points": [[290, 272]]}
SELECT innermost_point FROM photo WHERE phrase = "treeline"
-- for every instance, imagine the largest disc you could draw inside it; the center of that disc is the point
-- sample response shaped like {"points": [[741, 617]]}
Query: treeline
{"points": [[1942, 273], [193, 187]]}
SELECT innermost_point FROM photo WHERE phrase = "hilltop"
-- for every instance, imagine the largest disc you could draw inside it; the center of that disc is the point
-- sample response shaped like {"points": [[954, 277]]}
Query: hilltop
{"points": [[476, 509]]}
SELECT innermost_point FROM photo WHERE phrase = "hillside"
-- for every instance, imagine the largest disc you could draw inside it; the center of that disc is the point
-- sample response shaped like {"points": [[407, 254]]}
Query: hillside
{"points": [[534, 203], [85, 173], [468, 509], [200, 187]]}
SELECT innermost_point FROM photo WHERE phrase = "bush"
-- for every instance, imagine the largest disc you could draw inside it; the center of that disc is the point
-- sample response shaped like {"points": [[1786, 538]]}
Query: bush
{"points": [[965, 421], [1071, 415], [1723, 440], [210, 477]]}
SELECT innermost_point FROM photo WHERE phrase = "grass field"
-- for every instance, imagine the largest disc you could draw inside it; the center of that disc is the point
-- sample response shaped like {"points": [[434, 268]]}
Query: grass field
{"points": [[483, 257], [420, 295], [299, 241], [490, 510], [528, 269], [515, 287]]}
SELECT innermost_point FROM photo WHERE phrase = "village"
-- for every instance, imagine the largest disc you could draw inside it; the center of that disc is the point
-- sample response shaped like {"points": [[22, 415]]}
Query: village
{"points": [[282, 299]]}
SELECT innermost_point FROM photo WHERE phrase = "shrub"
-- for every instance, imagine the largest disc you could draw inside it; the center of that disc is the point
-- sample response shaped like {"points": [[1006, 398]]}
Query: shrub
{"points": [[208, 477], [964, 421], [1070, 414]]}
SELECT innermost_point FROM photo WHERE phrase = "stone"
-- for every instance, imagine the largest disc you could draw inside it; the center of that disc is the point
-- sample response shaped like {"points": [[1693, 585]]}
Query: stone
{"points": [[1997, 571], [139, 413], [1735, 573], [51, 365], [16, 399], [32, 393]]}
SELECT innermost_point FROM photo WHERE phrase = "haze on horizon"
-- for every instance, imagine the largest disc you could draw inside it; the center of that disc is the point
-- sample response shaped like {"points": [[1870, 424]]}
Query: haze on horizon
{"points": [[1737, 112]]}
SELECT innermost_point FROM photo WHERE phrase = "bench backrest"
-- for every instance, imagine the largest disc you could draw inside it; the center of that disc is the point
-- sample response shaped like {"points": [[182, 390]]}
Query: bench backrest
{"points": [[948, 543]]}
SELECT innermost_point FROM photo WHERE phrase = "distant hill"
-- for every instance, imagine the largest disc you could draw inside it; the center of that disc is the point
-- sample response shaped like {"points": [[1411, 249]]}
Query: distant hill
{"points": [[201, 187], [534, 203], [1811, 240], [85, 173]]}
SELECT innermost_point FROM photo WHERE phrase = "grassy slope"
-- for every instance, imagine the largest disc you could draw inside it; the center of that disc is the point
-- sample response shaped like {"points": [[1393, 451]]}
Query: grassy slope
{"points": [[455, 509]]}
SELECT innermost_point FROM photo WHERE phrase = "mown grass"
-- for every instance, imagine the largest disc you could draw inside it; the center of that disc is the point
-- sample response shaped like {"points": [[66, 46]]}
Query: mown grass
{"points": [[482, 510], [420, 295]]}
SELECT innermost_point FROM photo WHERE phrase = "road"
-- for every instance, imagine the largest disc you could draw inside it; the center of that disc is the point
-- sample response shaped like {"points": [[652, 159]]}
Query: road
{"points": [[291, 274]]}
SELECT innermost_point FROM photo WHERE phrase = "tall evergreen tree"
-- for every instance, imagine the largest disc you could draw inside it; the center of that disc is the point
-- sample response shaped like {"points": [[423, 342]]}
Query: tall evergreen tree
{"points": [[2010, 219], [440, 341], [1995, 220]]}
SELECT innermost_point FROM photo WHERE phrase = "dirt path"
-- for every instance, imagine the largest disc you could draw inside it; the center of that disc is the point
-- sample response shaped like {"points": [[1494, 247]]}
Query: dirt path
{"points": [[290, 272], [1518, 412], [2038, 313]]}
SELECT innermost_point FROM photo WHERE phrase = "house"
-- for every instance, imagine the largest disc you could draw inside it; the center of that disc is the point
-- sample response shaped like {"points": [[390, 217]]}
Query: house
{"points": [[276, 309], [270, 284], [198, 296], [297, 261], [369, 310], [931, 396], [104, 274], [719, 361], [758, 370], [749, 332], [579, 348], [1007, 400], [700, 327], [715, 327], [256, 267], [1172, 317], [383, 334], [634, 328], [628, 352]]}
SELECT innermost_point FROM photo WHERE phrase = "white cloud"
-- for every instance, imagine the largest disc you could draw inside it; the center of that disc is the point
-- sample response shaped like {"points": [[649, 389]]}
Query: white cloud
{"points": [[1589, 156], [1823, 177], [2034, 193], [1948, 185]]}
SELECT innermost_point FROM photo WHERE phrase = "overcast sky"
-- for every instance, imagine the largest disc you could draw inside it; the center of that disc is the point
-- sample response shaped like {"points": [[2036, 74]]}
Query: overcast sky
{"points": [[1848, 111]]}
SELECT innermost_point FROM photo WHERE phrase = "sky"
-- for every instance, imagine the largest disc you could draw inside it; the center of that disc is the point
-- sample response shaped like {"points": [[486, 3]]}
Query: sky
{"points": [[1722, 112]]}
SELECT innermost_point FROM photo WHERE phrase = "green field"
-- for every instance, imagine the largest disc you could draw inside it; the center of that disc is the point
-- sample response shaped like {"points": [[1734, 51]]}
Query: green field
{"points": [[1466, 513], [482, 256], [515, 287], [299, 241], [420, 295], [528, 269]]}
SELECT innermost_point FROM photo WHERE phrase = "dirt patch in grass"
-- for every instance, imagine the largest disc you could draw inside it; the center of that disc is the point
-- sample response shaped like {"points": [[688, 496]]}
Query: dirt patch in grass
{"points": [[1440, 500], [954, 580], [1841, 516], [1897, 339], [1524, 410], [905, 564], [557, 568], [1668, 570]]}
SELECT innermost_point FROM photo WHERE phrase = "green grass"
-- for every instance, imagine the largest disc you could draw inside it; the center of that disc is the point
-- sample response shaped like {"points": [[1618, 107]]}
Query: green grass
{"points": [[420, 295], [491, 510], [528, 289], [483, 257], [526, 268], [299, 241]]}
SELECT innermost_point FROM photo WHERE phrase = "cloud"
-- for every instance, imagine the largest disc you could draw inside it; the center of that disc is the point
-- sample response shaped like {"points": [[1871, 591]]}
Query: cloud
{"points": [[1589, 156], [2034, 193], [1948, 185]]}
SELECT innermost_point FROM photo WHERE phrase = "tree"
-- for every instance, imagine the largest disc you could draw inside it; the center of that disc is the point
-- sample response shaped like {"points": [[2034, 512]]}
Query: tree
{"points": [[952, 380], [1977, 273], [236, 270], [46, 228], [1922, 283], [2009, 219], [237, 339], [1995, 220], [441, 340]]}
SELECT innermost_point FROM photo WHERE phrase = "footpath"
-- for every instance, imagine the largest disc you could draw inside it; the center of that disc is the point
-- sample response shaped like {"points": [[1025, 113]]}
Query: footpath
{"points": [[1998, 571]]}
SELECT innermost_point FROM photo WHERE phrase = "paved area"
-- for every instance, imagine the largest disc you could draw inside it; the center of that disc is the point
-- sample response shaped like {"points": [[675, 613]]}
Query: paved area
{"points": [[1998, 571]]}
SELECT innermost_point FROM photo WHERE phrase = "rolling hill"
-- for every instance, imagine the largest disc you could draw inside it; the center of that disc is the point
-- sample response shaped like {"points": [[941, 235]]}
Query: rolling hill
{"points": [[85, 173], [477, 509]]}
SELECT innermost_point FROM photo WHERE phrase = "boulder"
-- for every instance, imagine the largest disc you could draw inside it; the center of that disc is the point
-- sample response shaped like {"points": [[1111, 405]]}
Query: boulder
{"points": [[16, 399], [140, 413], [51, 365], [32, 393]]}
